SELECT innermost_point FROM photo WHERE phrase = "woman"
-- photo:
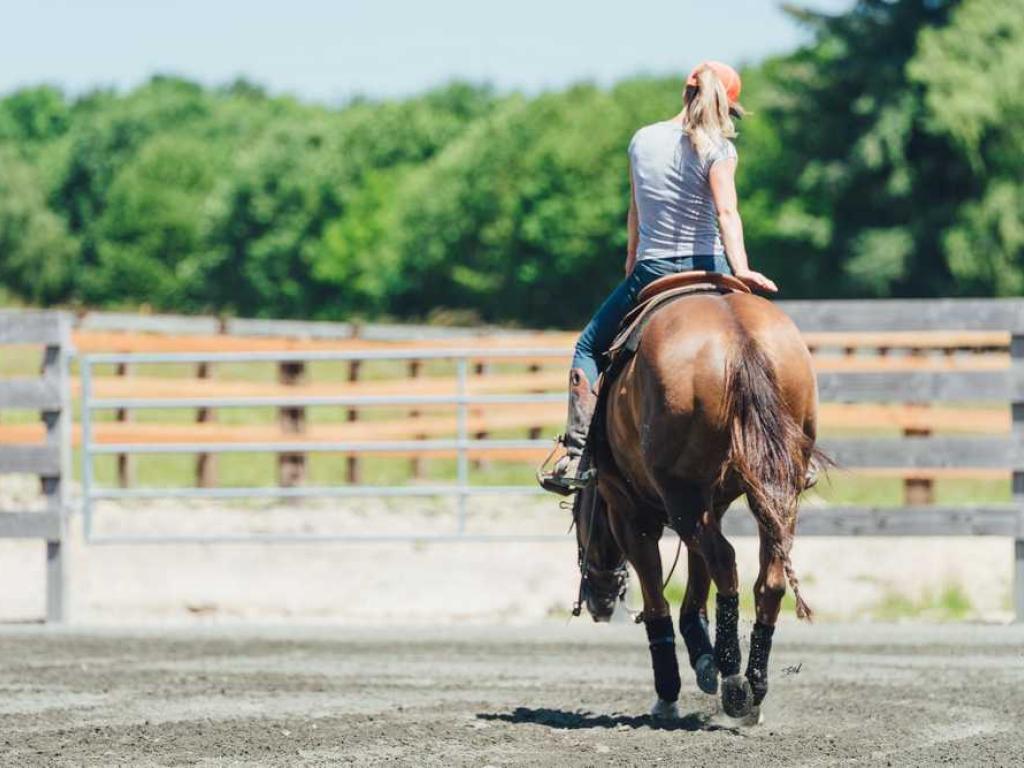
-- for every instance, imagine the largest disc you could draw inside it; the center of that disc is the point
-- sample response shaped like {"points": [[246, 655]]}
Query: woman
{"points": [[682, 217]]}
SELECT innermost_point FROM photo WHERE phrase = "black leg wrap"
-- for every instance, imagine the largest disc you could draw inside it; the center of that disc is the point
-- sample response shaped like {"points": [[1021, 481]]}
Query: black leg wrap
{"points": [[757, 664], [694, 629], [662, 640], [727, 639]]}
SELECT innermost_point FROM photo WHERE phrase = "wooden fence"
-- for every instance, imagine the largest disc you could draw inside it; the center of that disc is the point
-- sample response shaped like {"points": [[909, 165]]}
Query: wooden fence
{"points": [[48, 458], [919, 390]]}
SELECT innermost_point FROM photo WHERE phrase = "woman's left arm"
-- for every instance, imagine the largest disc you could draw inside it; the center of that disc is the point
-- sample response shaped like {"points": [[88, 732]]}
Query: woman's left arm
{"points": [[723, 189]]}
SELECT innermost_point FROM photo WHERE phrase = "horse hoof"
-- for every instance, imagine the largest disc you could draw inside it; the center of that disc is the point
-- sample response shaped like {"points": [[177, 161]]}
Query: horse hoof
{"points": [[665, 710], [754, 717], [737, 696], [707, 674]]}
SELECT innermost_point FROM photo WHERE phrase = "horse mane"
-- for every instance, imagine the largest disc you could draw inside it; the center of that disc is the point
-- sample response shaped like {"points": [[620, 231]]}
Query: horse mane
{"points": [[768, 451]]}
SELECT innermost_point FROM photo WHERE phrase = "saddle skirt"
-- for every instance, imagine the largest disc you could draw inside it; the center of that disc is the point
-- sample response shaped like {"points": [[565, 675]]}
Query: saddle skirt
{"points": [[655, 295]]}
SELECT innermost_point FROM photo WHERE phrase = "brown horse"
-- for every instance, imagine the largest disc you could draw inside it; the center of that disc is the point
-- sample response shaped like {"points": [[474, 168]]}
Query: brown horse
{"points": [[720, 400]]}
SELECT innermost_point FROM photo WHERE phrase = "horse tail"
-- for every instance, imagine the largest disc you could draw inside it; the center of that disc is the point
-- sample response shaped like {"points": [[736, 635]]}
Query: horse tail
{"points": [[768, 450]]}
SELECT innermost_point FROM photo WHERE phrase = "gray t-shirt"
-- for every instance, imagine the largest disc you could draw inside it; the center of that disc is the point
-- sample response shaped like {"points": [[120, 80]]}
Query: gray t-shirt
{"points": [[677, 215]]}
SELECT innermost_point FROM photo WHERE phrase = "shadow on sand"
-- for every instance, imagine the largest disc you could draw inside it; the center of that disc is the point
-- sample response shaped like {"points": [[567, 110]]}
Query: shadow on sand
{"points": [[559, 718]]}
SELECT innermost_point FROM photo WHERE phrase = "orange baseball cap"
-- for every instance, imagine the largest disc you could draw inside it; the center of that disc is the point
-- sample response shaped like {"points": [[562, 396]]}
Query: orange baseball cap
{"points": [[730, 78]]}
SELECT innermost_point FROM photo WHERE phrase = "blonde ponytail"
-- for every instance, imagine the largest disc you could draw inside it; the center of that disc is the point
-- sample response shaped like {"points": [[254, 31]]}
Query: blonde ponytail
{"points": [[707, 115]]}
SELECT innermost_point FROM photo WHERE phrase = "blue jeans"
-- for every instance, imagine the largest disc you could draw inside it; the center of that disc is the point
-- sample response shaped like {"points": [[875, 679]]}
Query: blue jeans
{"points": [[600, 331]]}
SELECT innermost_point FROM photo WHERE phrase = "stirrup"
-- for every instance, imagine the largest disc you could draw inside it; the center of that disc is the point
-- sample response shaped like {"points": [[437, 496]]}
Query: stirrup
{"points": [[561, 484]]}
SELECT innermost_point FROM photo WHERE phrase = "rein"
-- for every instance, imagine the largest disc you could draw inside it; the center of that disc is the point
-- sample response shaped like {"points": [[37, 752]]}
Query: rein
{"points": [[583, 555], [583, 561]]}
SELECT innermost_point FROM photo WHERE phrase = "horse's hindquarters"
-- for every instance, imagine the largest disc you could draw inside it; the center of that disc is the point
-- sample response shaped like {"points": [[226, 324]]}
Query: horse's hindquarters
{"points": [[666, 413]]}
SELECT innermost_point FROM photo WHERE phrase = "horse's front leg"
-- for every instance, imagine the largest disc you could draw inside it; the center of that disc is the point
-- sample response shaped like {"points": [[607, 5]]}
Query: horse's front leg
{"points": [[641, 548]]}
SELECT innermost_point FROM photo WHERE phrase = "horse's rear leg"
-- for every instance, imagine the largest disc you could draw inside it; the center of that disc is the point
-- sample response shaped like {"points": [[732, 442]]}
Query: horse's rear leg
{"points": [[708, 556], [693, 620], [641, 548], [685, 503], [769, 589], [737, 697]]}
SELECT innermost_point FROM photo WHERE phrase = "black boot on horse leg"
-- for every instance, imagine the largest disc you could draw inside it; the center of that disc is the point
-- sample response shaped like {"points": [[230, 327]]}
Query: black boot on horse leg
{"points": [[693, 622], [640, 543], [757, 662], [737, 697], [694, 629], [662, 641], [769, 589]]}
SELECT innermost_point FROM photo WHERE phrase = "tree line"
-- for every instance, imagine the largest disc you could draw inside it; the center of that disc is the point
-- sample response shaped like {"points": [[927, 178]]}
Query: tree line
{"points": [[884, 158]]}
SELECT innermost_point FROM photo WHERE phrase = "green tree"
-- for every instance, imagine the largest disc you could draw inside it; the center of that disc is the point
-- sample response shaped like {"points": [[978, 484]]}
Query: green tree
{"points": [[523, 218], [37, 255], [883, 158], [106, 134], [857, 191], [972, 73], [33, 115], [268, 220], [352, 256], [151, 235]]}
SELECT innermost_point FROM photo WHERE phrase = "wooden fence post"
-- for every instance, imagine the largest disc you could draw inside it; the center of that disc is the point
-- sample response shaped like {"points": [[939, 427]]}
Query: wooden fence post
{"points": [[352, 474], [534, 432], [479, 370], [51, 460], [54, 487], [206, 463], [918, 491], [291, 465], [1017, 410], [416, 462], [122, 416]]}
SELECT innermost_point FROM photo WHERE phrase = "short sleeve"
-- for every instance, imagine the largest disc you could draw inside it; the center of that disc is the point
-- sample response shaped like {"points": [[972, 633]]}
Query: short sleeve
{"points": [[726, 150]]}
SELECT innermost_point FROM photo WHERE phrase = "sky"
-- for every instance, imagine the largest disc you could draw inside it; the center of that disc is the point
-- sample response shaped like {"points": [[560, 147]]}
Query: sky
{"points": [[331, 51]]}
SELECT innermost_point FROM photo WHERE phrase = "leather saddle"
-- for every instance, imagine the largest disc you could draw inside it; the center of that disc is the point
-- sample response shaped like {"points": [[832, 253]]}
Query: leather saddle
{"points": [[657, 294]]}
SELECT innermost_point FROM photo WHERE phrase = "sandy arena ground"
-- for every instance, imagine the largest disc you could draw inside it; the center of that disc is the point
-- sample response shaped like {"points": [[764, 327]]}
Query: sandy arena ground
{"points": [[546, 695]]}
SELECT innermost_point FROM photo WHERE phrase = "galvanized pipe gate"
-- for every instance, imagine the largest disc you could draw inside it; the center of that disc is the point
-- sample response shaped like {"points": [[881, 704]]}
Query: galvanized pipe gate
{"points": [[462, 444]]}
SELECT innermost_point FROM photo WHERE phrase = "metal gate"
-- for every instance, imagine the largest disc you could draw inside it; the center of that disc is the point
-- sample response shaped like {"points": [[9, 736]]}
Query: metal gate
{"points": [[461, 488]]}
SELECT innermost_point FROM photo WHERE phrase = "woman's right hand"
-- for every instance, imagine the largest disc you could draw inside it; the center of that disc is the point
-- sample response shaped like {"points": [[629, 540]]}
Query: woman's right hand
{"points": [[755, 281]]}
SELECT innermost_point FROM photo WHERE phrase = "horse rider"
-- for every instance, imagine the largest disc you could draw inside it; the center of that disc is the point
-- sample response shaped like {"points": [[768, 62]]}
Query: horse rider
{"points": [[683, 216]]}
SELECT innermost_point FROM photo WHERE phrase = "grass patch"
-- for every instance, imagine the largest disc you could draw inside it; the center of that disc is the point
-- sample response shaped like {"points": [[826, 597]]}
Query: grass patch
{"points": [[677, 588], [950, 603]]}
